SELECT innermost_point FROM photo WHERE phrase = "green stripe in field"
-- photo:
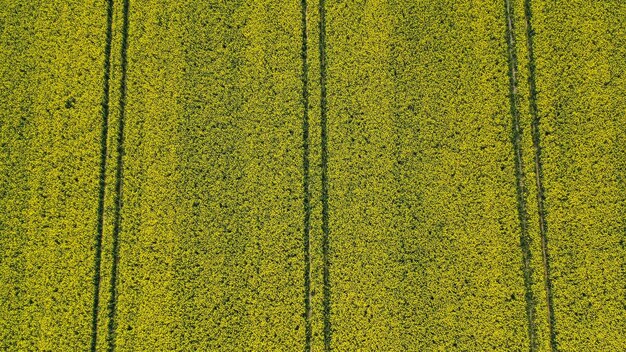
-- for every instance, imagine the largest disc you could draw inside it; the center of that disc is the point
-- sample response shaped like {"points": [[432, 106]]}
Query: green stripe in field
{"points": [[517, 139], [316, 232], [211, 237], [423, 207], [104, 152], [538, 274], [579, 50], [52, 59], [306, 181]]}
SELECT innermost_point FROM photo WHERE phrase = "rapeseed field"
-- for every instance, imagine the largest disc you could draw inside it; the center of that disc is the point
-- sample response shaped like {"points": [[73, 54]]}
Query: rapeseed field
{"points": [[271, 175]]}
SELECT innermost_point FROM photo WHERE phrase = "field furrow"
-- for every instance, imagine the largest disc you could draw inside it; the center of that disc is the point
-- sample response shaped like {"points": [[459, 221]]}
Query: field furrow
{"points": [[520, 176], [104, 151]]}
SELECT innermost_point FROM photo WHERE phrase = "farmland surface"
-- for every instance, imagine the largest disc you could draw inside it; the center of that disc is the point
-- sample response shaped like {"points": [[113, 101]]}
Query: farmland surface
{"points": [[276, 175]]}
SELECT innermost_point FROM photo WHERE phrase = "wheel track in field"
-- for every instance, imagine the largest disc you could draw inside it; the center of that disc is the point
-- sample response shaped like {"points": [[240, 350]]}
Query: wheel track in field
{"points": [[324, 147], [521, 190], [535, 132], [103, 156], [520, 177], [305, 181], [112, 307]]}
